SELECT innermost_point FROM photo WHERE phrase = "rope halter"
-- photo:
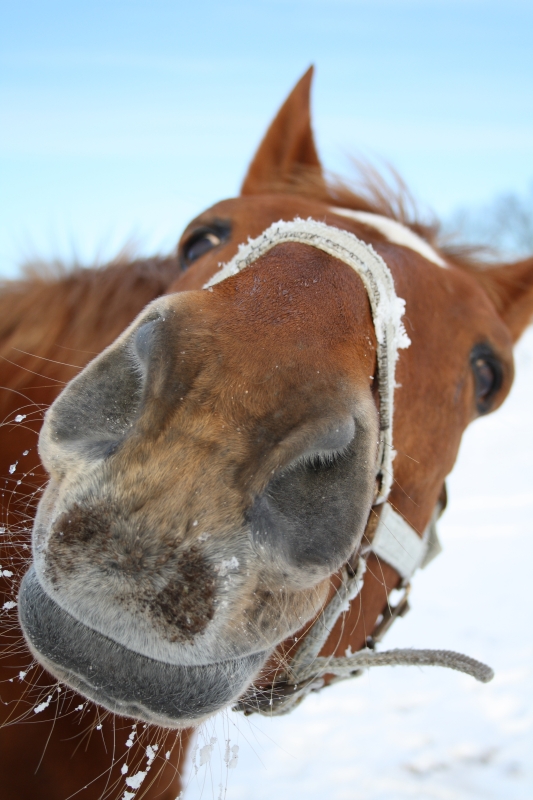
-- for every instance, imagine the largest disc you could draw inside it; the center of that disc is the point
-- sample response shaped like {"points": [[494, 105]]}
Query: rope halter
{"points": [[387, 308], [395, 541]]}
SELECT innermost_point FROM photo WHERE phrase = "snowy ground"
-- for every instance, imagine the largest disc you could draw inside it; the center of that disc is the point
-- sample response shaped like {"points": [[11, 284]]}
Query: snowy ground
{"points": [[421, 733]]}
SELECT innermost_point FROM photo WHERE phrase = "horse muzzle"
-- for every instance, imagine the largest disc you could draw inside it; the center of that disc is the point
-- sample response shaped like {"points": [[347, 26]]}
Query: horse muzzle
{"points": [[121, 680]]}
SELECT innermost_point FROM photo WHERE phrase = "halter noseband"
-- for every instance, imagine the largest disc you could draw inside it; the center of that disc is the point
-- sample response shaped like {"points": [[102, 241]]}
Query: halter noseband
{"points": [[394, 540], [387, 309]]}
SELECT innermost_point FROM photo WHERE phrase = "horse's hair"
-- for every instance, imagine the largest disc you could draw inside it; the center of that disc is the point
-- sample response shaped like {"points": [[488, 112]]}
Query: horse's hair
{"points": [[54, 304], [386, 193], [79, 298], [378, 192]]}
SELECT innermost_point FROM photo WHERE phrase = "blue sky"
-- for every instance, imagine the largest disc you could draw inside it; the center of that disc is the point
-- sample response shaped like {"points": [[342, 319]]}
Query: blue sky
{"points": [[128, 118]]}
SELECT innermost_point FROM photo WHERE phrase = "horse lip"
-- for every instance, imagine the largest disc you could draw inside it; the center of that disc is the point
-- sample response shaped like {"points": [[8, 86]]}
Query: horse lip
{"points": [[121, 680]]}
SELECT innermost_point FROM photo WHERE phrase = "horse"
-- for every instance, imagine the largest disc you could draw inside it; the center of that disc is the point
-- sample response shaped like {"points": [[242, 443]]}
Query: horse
{"points": [[252, 463]]}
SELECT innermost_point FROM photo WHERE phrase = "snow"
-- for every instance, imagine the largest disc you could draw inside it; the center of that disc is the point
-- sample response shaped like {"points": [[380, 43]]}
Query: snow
{"points": [[227, 565], [206, 751], [151, 752], [135, 780], [231, 755], [430, 734], [131, 737], [43, 705]]}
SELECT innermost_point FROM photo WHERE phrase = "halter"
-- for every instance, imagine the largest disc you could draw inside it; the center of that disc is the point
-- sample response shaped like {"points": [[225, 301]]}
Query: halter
{"points": [[387, 309], [394, 540]]}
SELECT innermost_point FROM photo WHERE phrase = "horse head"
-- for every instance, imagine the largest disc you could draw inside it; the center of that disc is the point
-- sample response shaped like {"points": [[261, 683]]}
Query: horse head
{"points": [[213, 469]]}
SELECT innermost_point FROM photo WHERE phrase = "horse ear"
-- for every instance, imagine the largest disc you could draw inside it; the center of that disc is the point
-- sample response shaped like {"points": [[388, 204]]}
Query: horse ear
{"points": [[288, 148], [510, 287]]}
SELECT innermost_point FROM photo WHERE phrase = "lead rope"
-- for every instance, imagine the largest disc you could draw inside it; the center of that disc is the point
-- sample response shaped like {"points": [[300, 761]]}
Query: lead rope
{"points": [[307, 670]]}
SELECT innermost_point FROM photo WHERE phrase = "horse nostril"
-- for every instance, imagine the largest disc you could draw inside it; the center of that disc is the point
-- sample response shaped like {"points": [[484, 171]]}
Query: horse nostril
{"points": [[95, 412], [312, 514], [334, 440], [144, 339]]}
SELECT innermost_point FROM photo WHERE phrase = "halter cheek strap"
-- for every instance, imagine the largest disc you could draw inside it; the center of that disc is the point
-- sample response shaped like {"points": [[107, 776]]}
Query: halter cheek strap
{"points": [[394, 540]]}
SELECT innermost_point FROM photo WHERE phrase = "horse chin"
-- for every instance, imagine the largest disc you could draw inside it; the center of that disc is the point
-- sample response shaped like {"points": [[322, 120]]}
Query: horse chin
{"points": [[121, 680]]}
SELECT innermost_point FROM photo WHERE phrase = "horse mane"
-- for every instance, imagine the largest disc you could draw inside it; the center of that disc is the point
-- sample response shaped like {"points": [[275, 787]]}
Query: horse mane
{"points": [[53, 304], [80, 300], [384, 192]]}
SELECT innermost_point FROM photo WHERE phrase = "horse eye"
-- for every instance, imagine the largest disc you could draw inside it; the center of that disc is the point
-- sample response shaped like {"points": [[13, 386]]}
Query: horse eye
{"points": [[200, 243], [488, 378]]}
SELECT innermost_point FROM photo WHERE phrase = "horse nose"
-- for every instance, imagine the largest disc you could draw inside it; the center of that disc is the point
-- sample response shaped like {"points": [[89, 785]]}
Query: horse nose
{"points": [[98, 409], [311, 516], [177, 582]]}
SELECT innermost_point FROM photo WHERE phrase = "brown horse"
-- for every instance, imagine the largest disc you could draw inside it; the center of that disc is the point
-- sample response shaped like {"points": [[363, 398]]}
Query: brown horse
{"points": [[218, 473]]}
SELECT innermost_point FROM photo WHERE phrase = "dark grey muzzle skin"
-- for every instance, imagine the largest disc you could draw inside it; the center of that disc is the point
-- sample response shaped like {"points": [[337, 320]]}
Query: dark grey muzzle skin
{"points": [[121, 680]]}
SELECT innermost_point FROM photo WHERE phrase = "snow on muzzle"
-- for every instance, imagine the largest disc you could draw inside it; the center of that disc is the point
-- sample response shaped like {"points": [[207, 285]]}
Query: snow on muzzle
{"points": [[121, 680]]}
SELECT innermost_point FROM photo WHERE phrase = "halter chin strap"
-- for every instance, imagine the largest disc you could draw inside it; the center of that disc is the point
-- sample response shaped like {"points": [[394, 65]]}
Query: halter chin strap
{"points": [[394, 540]]}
